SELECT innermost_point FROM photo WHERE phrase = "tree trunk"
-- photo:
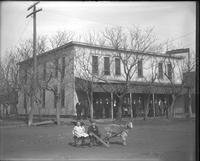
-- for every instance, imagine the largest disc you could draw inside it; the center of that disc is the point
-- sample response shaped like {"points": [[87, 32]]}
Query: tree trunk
{"points": [[171, 110], [91, 105], [119, 110], [1, 106], [57, 112], [91, 109], [30, 116], [39, 110], [153, 104], [111, 105], [190, 104]]}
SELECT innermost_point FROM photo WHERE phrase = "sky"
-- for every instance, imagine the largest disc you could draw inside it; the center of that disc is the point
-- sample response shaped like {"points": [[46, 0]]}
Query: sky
{"points": [[173, 21]]}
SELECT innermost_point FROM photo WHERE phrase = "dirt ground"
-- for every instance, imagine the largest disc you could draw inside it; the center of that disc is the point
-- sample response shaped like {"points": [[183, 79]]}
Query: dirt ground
{"points": [[158, 139]]}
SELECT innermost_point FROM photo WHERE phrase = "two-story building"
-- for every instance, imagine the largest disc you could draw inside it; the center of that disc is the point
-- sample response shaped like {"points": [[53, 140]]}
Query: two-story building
{"points": [[66, 68]]}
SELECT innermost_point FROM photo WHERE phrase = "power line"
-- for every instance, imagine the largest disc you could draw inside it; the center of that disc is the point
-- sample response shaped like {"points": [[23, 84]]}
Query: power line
{"points": [[177, 38], [24, 29]]}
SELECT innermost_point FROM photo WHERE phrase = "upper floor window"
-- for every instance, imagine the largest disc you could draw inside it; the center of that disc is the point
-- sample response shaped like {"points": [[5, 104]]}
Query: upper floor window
{"points": [[63, 68], [56, 68], [44, 71], [62, 97], [95, 64], [117, 66], [160, 70], [55, 96], [140, 68], [25, 75], [169, 71], [106, 66], [43, 98]]}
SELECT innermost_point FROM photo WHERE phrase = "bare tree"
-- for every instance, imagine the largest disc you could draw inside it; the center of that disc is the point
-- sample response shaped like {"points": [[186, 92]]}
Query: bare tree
{"points": [[61, 38], [85, 77], [10, 68], [172, 69], [150, 80], [136, 41], [95, 38]]}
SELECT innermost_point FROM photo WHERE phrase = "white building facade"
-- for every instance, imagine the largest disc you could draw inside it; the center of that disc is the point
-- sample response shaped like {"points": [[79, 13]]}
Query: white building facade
{"points": [[59, 68]]}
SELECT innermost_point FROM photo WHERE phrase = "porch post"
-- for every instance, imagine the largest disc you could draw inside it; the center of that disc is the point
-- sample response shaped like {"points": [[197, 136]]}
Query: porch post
{"points": [[131, 105], [111, 103]]}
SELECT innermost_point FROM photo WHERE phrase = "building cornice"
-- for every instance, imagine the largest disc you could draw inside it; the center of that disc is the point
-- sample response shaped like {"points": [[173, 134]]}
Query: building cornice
{"points": [[98, 47]]}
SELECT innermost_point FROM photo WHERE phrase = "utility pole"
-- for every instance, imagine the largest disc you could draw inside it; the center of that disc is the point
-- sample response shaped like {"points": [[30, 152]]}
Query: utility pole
{"points": [[34, 58]]}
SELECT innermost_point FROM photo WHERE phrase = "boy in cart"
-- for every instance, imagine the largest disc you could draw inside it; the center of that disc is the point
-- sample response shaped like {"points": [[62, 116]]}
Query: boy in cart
{"points": [[93, 129], [79, 134]]}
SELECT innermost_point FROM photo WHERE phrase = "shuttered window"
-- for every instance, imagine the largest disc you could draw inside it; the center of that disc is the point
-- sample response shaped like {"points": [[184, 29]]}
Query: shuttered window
{"points": [[117, 66], [169, 71], [44, 71], [62, 98], [63, 68], [160, 70], [95, 64], [55, 96], [56, 68], [140, 68], [43, 98], [106, 66]]}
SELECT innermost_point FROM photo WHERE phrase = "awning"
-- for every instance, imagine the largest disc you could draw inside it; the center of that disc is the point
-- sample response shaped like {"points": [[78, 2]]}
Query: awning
{"points": [[135, 87], [138, 88]]}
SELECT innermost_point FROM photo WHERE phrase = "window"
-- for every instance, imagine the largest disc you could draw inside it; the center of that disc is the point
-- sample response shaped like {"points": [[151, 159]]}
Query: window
{"points": [[95, 64], [63, 68], [169, 71], [55, 96], [43, 98], [140, 69], [56, 68], [25, 75], [160, 70], [117, 66], [25, 103], [44, 71], [62, 98], [106, 66]]}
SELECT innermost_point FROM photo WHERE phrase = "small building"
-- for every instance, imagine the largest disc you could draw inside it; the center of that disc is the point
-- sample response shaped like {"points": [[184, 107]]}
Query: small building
{"points": [[69, 73]]}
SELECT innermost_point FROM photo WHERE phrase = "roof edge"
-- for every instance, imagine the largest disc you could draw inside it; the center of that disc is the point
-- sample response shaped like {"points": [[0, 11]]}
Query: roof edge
{"points": [[83, 44]]}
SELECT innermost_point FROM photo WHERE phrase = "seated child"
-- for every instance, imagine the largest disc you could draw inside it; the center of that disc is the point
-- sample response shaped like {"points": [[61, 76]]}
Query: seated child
{"points": [[93, 129], [79, 132]]}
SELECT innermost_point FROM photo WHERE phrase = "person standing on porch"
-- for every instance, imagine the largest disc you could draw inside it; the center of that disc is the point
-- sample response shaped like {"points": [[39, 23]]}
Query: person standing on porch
{"points": [[161, 107], [85, 107], [150, 114], [115, 109], [165, 108], [156, 107], [78, 110], [134, 108], [100, 115], [107, 108]]}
